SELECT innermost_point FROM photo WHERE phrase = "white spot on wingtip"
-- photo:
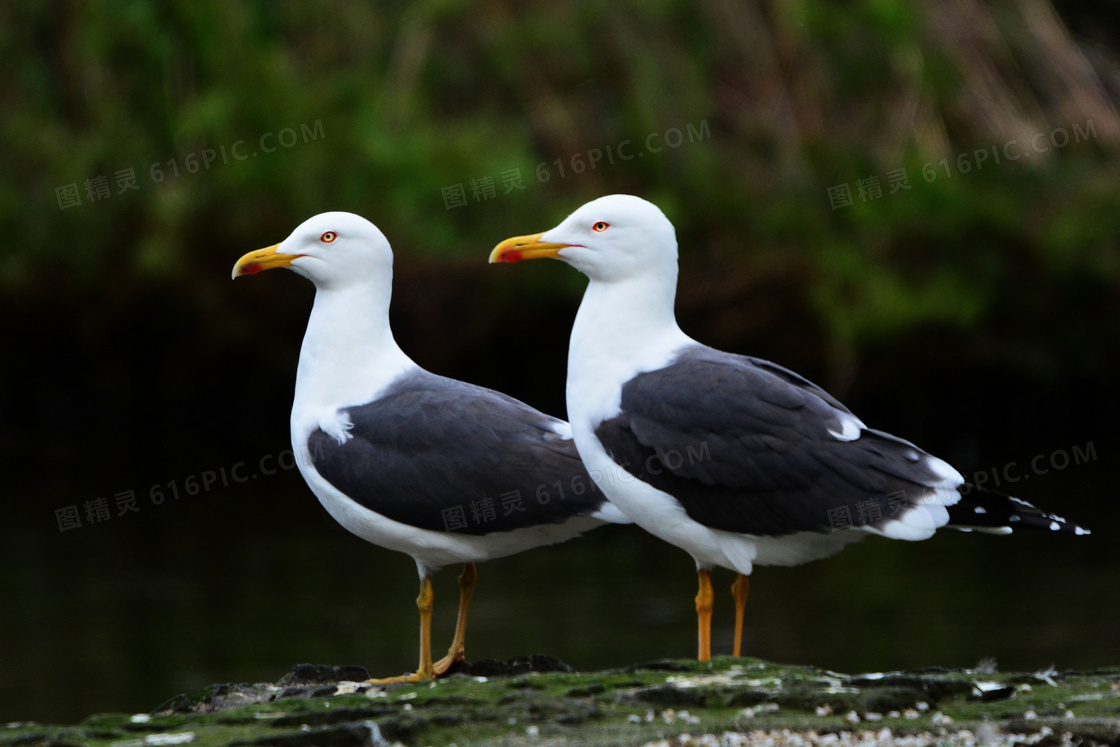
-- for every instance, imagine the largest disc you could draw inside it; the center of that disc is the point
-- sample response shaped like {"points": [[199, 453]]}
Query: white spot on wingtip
{"points": [[850, 426], [1081, 531], [950, 478], [1055, 526], [561, 428], [980, 510]]}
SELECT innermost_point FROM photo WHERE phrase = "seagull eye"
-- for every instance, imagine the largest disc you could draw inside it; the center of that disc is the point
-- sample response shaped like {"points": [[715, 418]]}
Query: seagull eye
{"points": [[328, 237], [600, 226]]}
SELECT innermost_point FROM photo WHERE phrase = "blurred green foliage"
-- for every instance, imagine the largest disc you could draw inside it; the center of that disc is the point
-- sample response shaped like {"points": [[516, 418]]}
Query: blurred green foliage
{"points": [[389, 104], [975, 312]]}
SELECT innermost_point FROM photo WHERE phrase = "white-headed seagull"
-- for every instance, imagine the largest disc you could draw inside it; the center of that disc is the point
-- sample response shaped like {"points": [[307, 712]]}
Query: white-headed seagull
{"points": [[736, 460], [444, 471]]}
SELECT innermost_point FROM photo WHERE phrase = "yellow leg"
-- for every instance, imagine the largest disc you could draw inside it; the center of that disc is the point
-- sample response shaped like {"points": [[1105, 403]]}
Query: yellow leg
{"points": [[467, 580], [424, 671], [739, 590], [704, 599]]}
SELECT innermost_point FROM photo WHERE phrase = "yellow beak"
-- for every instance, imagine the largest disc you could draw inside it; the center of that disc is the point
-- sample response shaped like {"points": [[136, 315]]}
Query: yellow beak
{"points": [[525, 247], [262, 259]]}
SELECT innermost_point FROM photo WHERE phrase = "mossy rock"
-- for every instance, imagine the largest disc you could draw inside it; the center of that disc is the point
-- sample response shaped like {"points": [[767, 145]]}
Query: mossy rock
{"points": [[538, 698]]}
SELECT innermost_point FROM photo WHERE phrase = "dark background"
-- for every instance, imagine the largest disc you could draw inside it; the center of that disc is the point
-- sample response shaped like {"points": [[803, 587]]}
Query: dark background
{"points": [[975, 313]]}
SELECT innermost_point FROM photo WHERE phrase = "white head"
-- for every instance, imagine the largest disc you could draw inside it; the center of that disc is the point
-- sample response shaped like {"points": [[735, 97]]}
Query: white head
{"points": [[332, 250], [613, 238]]}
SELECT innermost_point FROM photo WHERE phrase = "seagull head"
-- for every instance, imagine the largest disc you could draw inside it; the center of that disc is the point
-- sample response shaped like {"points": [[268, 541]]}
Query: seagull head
{"points": [[331, 250], [613, 238]]}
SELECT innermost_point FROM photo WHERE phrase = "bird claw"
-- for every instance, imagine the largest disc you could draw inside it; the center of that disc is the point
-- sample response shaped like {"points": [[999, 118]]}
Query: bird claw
{"points": [[441, 666], [439, 669], [404, 679]]}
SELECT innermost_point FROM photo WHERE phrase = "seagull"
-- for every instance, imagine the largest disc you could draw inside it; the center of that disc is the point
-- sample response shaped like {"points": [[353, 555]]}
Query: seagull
{"points": [[736, 460], [444, 471]]}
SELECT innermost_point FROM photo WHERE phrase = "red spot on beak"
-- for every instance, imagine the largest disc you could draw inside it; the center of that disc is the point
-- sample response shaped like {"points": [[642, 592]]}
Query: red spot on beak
{"points": [[251, 269], [511, 257]]}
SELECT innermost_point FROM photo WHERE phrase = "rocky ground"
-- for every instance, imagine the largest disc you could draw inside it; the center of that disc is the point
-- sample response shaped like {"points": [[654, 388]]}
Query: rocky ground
{"points": [[540, 701]]}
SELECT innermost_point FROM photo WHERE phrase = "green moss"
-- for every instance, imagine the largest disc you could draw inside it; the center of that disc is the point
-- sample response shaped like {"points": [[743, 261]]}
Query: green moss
{"points": [[660, 700]]}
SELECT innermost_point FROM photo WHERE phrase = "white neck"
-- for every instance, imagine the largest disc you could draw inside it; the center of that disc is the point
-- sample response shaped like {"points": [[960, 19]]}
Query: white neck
{"points": [[622, 327], [348, 354]]}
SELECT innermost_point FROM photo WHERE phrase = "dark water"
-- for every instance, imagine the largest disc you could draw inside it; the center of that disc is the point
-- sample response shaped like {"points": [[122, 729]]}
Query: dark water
{"points": [[241, 582]]}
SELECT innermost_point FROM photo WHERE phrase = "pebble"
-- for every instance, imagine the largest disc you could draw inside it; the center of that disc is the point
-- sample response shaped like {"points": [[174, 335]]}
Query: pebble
{"points": [[349, 688], [167, 739], [763, 708]]}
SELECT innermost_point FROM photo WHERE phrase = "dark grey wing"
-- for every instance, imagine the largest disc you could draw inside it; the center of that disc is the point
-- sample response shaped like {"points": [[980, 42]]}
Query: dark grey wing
{"points": [[977, 508], [794, 379], [444, 455], [747, 446]]}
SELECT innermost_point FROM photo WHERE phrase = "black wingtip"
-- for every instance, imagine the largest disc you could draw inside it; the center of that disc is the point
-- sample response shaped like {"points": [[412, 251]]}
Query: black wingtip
{"points": [[979, 508]]}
